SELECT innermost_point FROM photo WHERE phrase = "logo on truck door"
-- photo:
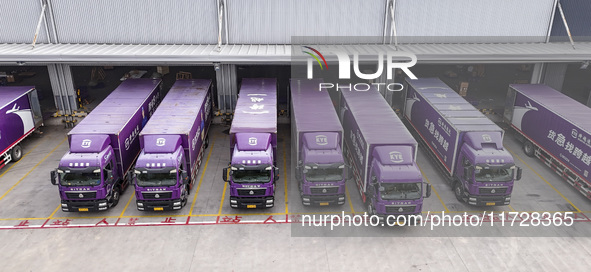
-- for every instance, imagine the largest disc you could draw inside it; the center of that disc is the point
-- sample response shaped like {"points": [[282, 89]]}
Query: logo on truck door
{"points": [[160, 142], [86, 143], [396, 157], [321, 140], [252, 141], [486, 138]]}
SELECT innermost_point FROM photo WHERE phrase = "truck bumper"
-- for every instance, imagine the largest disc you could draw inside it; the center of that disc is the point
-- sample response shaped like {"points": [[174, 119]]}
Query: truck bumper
{"points": [[323, 200], [84, 205], [251, 202], [160, 205], [480, 200]]}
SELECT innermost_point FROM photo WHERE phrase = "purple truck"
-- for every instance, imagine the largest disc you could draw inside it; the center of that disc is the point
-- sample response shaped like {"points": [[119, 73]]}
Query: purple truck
{"points": [[382, 155], [467, 144], [173, 143], [104, 146], [252, 172], [317, 136], [554, 128], [20, 115]]}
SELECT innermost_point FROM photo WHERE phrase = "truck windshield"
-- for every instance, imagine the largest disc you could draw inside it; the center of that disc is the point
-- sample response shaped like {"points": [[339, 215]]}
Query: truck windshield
{"points": [[494, 174], [240, 176], [392, 191], [80, 179], [325, 174], [156, 179]]}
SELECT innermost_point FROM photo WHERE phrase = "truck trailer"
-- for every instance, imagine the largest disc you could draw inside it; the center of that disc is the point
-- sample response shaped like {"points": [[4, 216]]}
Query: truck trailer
{"points": [[382, 155], [467, 144], [554, 128], [172, 144], [316, 139], [252, 171], [20, 115], [103, 148]]}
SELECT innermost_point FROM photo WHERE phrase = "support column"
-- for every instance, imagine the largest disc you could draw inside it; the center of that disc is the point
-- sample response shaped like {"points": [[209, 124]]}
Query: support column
{"points": [[554, 75], [227, 86], [537, 73], [64, 94], [589, 100]]}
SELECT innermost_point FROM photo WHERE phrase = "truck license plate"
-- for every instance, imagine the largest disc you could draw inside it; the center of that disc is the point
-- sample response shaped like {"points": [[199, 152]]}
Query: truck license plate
{"points": [[490, 203], [159, 209], [251, 206], [83, 209], [323, 203]]}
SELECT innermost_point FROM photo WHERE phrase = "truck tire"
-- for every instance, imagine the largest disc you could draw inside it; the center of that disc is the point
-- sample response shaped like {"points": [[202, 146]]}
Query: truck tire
{"points": [[459, 191], [116, 196], [16, 153], [528, 148]]}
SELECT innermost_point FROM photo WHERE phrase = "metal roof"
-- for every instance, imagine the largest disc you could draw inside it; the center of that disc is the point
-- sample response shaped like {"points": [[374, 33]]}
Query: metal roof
{"points": [[258, 54]]}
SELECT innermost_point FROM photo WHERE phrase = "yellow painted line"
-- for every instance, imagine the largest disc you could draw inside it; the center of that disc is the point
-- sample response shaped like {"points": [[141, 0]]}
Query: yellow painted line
{"points": [[201, 179], [349, 198], [34, 147], [285, 177], [42, 160], [564, 197], [223, 196], [129, 201], [433, 188], [513, 210], [54, 211]]}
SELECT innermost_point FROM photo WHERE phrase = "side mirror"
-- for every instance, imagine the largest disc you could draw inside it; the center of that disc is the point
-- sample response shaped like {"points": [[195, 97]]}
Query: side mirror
{"points": [[225, 174], [347, 172], [109, 175], [468, 173], [519, 173], [53, 175], [276, 172], [184, 176], [428, 191]]}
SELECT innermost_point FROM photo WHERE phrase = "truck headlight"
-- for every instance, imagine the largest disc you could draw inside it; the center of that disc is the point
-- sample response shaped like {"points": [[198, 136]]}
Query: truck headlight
{"points": [[269, 200], [342, 198], [178, 203], [102, 204], [306, 199], [139, 204], [64, 205], [472, 199], [233, 201]]}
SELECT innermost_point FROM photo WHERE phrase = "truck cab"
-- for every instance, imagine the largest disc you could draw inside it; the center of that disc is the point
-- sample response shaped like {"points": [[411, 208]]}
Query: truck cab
{"points": [[485, 172], [87, 176], [321, 170], [395, 183], [160, 174], [252, 173]]}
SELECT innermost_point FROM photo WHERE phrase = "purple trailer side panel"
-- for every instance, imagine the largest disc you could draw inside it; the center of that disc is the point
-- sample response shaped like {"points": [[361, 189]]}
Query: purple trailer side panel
{"points": [[256, 109], [186, 112], [16, 118], [442, 117], [140, 97], [557, 123], [365, 130]]}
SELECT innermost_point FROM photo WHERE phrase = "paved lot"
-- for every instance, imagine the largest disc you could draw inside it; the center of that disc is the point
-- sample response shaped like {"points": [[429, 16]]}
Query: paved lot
{"points": [[208, 235]]}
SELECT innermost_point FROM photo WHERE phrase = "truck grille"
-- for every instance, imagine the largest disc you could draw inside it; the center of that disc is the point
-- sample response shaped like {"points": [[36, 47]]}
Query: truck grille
{"points": [[324, 190], [400, 209], [156, 195], [255, 192], [80, 195], [490, 191]]}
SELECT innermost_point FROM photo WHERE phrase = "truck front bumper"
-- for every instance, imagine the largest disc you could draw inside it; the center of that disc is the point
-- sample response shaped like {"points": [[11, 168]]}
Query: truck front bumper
{"points": [[84, 205], [252, 202], [485, 200], [159, 205], [323, 200]]}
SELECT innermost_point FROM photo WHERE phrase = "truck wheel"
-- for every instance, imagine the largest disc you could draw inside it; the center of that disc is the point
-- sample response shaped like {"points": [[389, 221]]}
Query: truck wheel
{"points": [[116, 196], [459, 191], [16, 153], [528, 148]]}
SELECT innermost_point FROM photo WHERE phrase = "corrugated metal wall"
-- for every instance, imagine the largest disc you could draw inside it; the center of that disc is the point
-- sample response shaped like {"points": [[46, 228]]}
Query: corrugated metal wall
{"points": [[18, 21], [136, 21], [500, 20], [578, 17], [276, 21]]}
